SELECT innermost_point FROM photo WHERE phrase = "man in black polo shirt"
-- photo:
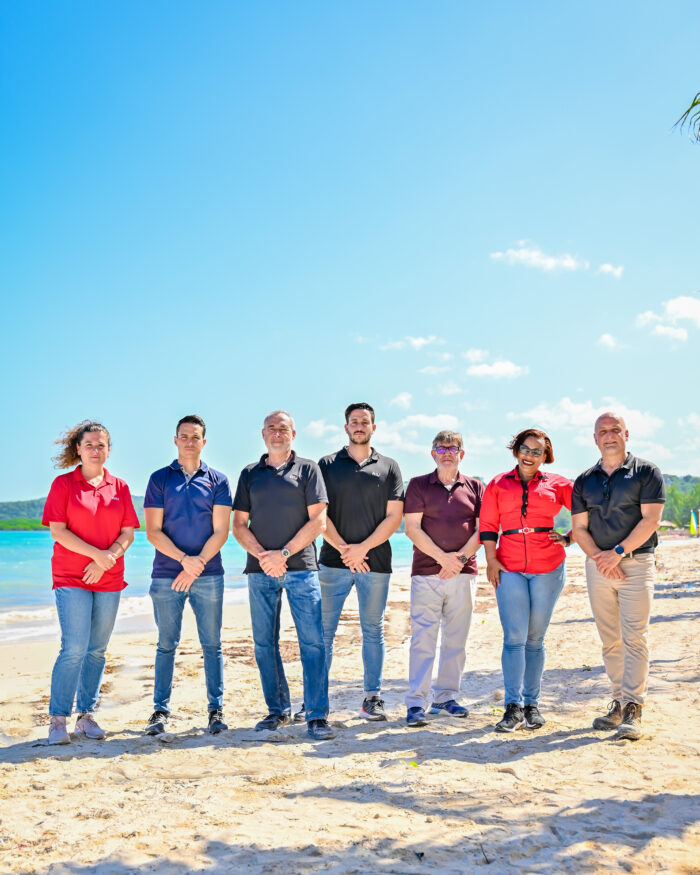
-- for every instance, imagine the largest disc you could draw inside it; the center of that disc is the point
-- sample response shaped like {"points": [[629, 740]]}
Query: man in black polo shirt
{"points": [[616, 509], [278, 510], [365, 506]]}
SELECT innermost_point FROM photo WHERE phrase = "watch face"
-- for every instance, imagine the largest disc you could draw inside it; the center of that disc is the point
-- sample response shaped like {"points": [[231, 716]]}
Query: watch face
{"points": [[619, 550]]}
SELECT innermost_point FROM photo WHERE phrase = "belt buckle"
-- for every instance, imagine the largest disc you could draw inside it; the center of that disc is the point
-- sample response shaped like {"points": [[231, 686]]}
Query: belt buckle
{"points": [[527, 530]]}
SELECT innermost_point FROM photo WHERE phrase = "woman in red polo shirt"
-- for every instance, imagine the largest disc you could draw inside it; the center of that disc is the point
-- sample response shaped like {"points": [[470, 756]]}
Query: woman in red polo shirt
{"points": [[92, 521], [526, 568]]}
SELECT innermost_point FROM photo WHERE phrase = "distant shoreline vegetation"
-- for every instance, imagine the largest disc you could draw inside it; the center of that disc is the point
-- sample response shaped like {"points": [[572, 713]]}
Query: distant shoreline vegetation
{"points": [[682, 496]]}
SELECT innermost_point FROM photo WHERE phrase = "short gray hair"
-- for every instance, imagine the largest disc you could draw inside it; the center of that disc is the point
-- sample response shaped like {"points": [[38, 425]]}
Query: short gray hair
{"points": [[278, 413], [448, 437]]}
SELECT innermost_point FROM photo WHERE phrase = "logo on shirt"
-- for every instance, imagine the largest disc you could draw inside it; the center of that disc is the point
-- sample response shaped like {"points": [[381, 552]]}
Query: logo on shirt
{"points": [[629, 476]]}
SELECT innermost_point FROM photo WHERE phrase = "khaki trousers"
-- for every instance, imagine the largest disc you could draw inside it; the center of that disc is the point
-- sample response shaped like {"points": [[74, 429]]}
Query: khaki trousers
{"points": [[621, 609]]}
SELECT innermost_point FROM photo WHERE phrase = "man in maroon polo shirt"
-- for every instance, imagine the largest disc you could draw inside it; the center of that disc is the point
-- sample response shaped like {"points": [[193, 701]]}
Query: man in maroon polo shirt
{"points": [[442, 520]]}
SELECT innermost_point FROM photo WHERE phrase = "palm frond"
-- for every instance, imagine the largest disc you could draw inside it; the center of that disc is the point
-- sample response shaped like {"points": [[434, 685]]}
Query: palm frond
{"points": [[691, 118]]}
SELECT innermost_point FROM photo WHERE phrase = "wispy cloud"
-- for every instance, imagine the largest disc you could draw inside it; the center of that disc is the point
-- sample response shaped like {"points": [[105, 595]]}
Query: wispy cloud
{"points": [[684, 308], [568, 415], [410, 342], [612, 270], [533, 256], [475, 355], [319, 429], [402, 400], [413, 433], [498, 370], [671, 331], [449, 388], [608, 341], [435, 369]]}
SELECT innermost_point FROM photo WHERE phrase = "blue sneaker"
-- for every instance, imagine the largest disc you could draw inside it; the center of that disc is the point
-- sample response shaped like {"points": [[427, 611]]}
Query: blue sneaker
{"points": [[451, 707], [415, 716]]}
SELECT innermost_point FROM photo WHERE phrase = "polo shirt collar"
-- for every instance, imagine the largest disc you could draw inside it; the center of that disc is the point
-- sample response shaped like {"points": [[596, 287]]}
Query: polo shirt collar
{"points": [[263, 463], [513, 475], [176, 466], [435, 479], [108, 478], [627, 464], [373, 456]]}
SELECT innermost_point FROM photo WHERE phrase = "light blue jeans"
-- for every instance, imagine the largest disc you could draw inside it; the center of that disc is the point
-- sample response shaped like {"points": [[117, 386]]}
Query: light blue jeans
{"points": [[304, 597], [525, 605], [372, 591], [86, 619], [206, 596]]}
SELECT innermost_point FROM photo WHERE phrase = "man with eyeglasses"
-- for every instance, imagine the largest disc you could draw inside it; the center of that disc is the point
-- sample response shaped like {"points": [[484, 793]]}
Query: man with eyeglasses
{"points": [[616, 509], [278, 511], [442, 519]]}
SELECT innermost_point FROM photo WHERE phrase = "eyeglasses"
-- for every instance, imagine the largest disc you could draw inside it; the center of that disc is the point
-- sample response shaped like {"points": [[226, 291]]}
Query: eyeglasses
{"points": [[442, 450], [530, 451]]}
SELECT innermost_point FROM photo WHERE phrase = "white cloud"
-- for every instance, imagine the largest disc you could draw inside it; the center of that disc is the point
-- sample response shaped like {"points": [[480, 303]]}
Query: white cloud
{"points": [[416, 343], [449, 388], [414, 433], [568, 415], [475, 355], [684, 308], [361, 339], [434, 369], [392, 344], [671, 331], [611, 269], [403, 400], [443, 356], [476, 444], [608, 341], [498, 370], [319, 428], [532, 256]]}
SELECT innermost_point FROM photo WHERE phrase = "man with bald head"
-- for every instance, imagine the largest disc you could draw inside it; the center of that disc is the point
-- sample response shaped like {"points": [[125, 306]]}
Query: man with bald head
{"points": [[616, 509]]}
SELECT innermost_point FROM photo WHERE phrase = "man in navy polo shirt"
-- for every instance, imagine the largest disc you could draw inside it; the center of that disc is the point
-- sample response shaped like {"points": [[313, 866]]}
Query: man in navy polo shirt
{"points": [[278, 511], [187, 508]]}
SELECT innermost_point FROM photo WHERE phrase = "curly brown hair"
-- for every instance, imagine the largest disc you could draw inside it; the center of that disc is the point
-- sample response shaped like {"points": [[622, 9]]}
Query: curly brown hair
{"points": [[69, 440], [514, 445]]}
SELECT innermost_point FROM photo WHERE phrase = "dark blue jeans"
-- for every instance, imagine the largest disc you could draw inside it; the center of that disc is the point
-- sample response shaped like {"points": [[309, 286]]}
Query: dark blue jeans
{"points": [[304, 597], [206, 596]]}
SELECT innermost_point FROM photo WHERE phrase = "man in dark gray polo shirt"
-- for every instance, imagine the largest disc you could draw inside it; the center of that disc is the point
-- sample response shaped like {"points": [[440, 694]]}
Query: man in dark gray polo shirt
{"points": [[616, 508], [278, 511], [365, 506]]}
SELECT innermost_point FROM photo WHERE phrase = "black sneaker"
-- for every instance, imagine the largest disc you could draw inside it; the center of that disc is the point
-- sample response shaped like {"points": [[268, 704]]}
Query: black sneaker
{"points": [[157, 723], [612, 719], [320, 730], [631, 723], [216, 721], [533, 718], [513, 719], [373, 708], [272, 722], [415, 716], [300, 715]]}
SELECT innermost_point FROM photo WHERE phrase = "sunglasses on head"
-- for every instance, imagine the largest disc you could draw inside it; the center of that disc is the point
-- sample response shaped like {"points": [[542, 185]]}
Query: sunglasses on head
{"points": [[442, 450]]}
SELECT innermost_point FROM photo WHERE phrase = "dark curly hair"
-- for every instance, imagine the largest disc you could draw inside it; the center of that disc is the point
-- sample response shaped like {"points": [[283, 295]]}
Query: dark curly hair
{"points": [[69, 440], [514, 445]]}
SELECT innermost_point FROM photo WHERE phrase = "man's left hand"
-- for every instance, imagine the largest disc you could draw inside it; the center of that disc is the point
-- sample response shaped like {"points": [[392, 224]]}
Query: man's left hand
{"points": [[606, 560], [353, 555], [183, 582], [273, 563]]}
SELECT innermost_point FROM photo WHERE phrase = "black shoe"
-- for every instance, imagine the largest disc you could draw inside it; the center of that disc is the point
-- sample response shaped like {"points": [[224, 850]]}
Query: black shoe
{"points": [[533, 718], [157, 723], [272, 722], [300, 715], [320, 730], [415, 716], [631, 723], [612, 719], [216, 721], [373, 708], [513, 719]]}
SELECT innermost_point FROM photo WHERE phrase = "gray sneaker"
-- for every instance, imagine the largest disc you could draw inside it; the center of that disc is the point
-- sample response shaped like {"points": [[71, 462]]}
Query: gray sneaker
{"points": [[58, 734], [612, 719], [631, 723], [89, 727]]}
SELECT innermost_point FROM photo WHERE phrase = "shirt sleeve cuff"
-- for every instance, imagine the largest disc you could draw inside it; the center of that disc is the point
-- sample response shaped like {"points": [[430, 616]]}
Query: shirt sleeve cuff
{"points": [[488, 536]]}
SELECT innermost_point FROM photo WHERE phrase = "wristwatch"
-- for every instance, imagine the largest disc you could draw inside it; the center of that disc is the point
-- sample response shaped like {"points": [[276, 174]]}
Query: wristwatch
{"points": [[619, 549], [286, 553], [462, 558]]}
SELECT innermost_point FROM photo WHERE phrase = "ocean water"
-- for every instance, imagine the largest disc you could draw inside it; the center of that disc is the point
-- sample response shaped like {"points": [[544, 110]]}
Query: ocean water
{"points": [[26, 597]]}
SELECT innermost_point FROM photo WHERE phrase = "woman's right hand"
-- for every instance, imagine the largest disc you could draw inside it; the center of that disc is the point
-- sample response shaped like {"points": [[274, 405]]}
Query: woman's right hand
{"points": [[92, 573], [493, 572], [104, 559]]}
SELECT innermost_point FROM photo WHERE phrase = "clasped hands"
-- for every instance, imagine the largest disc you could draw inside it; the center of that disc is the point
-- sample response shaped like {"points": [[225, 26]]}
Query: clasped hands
{"points": [[102, 561], [354, 557], [608, 564], [192, 567]]}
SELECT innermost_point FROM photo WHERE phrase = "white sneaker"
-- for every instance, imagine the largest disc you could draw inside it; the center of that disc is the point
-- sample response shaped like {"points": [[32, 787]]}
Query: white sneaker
{"points": [[87, 725], [58, 734]]}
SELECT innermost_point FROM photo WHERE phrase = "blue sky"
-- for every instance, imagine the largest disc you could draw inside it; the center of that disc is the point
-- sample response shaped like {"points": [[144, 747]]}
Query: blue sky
{"points": [[473, 216]]}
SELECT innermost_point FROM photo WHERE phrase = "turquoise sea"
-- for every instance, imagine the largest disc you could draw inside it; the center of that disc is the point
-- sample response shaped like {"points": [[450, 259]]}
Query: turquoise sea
{"points": [[26, 598]]}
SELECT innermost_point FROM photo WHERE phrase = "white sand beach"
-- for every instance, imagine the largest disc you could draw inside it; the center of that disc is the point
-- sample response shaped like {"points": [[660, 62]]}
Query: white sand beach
{"points": [[380, 797]]}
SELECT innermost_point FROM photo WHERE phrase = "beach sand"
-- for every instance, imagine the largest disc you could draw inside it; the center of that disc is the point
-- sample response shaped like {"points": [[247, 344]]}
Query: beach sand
{"points": [[380, 797]]}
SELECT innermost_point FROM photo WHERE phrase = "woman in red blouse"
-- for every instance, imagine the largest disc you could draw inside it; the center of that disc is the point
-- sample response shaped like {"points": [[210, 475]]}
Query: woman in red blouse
{"points": [[92, 521], [525, 564]]}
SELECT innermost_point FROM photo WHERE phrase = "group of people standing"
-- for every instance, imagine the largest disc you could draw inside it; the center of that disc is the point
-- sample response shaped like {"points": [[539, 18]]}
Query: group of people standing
{"points": [[355, 500]]}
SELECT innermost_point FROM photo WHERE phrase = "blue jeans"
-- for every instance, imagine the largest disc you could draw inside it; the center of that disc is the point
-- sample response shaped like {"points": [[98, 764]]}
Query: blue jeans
{"points": [[372, 591], [525, 605], [86, 619], [304, 597], [206, 596]]}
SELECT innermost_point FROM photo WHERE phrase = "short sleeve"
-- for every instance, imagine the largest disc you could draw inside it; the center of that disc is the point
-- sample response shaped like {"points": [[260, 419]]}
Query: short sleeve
{"points": [[479, 490], [241, 500], [565, 490], [129, 517], [395, 483], [415, 500], [653, 489], [154, 493], [578, 502], [315, 486], [222, 493], [489, 516], [56, 506]]}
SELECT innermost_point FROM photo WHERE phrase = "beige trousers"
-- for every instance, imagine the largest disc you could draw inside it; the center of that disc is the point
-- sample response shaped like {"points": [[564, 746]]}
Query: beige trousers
{"points": [[621, 609]]}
